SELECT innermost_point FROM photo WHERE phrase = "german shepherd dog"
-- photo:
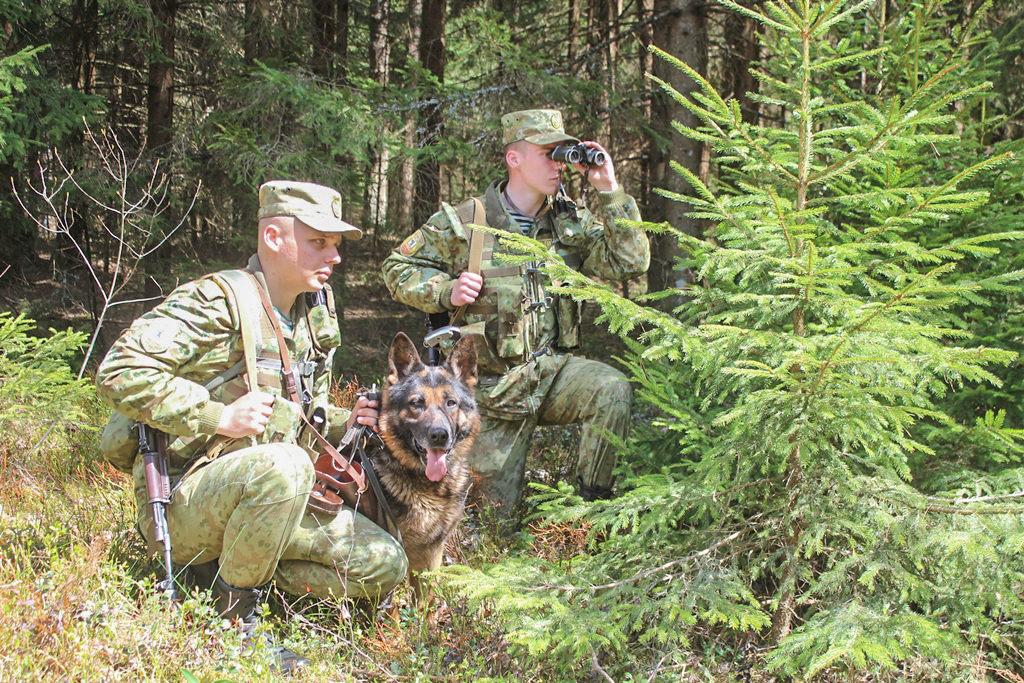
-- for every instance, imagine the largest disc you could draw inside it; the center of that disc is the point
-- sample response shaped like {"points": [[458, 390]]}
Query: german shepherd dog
{"points": [[428, 421]]}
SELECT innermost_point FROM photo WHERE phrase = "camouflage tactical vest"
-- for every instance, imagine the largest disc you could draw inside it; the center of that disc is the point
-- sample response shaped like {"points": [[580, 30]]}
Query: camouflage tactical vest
{"points": [[514, 316], [315, 333]]}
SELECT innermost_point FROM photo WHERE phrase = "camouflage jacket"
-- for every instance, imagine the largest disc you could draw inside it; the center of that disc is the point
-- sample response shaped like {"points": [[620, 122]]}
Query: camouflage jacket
{"points": [[159, 370], [514, 316]]}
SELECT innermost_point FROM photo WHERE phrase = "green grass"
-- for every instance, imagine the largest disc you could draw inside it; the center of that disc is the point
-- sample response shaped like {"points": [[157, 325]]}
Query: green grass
{"points": [[77, 598]]}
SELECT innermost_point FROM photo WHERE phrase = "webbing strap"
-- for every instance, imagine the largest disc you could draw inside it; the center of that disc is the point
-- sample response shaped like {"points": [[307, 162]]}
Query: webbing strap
{"points": [[476, 239], [268, 310], [476, 248], [502, 272], [226, 376], [248, 321]]}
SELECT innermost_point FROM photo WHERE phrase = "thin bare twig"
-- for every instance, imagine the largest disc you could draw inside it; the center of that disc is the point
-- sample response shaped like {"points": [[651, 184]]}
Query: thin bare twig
{"points": [[130, 221], [668, 565], [597, 666]]}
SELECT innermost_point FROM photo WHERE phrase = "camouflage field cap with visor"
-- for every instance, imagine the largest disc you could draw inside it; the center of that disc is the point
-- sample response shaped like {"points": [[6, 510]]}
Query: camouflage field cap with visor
{"points": [[539, 126], [317, 206]]}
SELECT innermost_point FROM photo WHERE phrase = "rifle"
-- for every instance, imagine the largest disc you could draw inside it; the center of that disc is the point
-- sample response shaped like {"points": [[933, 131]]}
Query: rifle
{"points": [[438, 329], [158, 489]]}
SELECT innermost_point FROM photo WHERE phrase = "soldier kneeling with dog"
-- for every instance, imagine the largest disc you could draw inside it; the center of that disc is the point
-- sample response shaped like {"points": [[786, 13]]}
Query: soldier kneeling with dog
{"points": [[241, 411]]}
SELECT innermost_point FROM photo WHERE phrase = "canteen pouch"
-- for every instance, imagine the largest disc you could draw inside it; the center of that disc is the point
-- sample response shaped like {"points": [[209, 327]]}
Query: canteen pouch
{"points": [[512, 313]]}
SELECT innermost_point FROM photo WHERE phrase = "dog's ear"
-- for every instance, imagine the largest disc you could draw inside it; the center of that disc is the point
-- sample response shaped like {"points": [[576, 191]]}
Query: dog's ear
{"points": [[462, 361], [403, 359]]}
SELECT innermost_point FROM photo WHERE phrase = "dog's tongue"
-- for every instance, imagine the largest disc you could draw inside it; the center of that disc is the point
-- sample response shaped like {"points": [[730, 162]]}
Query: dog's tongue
{"points": [[436, 465]]}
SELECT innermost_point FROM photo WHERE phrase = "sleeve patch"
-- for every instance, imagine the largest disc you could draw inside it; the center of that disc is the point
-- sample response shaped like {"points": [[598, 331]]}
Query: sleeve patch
{"points": [[158, 335], [412, 243]]}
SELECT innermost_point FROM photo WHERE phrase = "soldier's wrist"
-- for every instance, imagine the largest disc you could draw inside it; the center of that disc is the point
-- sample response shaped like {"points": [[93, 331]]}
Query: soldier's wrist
{"points": [[613, 198], [210, 416], [444, 299]]}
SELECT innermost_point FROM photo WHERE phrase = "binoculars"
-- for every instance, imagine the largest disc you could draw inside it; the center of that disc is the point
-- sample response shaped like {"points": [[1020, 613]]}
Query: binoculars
{"points": [[578, 154]]}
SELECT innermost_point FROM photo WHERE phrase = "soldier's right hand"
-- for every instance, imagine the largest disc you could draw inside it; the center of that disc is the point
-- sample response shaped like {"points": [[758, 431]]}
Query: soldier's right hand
{"points": [[247, 416], [466, 289]]}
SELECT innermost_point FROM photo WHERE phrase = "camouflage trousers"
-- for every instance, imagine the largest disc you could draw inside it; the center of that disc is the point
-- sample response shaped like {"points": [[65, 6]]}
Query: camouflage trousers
{"points": [[585, 392], [247, 509]]}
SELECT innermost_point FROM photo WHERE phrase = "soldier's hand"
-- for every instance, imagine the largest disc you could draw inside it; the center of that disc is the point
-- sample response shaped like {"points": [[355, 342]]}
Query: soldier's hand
{"points": [[247, 416], [364, 412], [601, 177], [466, 289]]}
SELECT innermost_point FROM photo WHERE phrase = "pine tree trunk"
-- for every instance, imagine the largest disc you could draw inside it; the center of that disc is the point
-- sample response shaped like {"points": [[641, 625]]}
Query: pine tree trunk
{"points": [[160, 95], [644, 11], [323, 38], [160, 121], [256, 41], [783, 618], [572, 43], [17, 231], [404, 196], [85, 31], [744, 50], [376, 195], [432, 47], [601, 63], [342, 9], [681, 31]]}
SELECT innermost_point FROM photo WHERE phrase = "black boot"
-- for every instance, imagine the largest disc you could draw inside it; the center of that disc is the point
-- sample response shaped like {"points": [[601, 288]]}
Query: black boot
{"points": [[240, 604], [199, 576]]}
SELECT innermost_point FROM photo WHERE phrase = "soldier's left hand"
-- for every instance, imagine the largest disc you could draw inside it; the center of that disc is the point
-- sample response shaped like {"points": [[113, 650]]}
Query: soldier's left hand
{"points": [[365, 413], [601, 177]]}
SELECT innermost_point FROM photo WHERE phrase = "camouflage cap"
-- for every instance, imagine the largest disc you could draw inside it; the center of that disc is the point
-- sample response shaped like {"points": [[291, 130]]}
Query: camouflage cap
{"points": [[539, 126], [317, 206]]}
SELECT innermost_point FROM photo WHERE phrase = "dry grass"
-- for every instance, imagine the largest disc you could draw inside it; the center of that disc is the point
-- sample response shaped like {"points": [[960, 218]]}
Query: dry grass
{"points": [[77, 601]]}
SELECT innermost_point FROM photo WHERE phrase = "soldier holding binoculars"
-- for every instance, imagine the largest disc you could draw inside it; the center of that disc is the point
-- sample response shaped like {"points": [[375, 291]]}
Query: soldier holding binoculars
{"points": [[524, 335]]}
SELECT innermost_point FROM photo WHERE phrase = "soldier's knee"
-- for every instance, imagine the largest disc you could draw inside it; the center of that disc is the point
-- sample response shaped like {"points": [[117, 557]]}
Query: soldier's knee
{"points": [[615, 389], [288, 466], [385, 571]]}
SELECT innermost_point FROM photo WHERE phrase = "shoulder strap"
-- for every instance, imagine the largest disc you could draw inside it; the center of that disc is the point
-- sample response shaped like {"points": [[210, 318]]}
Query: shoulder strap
{"points": [[248, 317], [286, 365], [470, 212]]}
